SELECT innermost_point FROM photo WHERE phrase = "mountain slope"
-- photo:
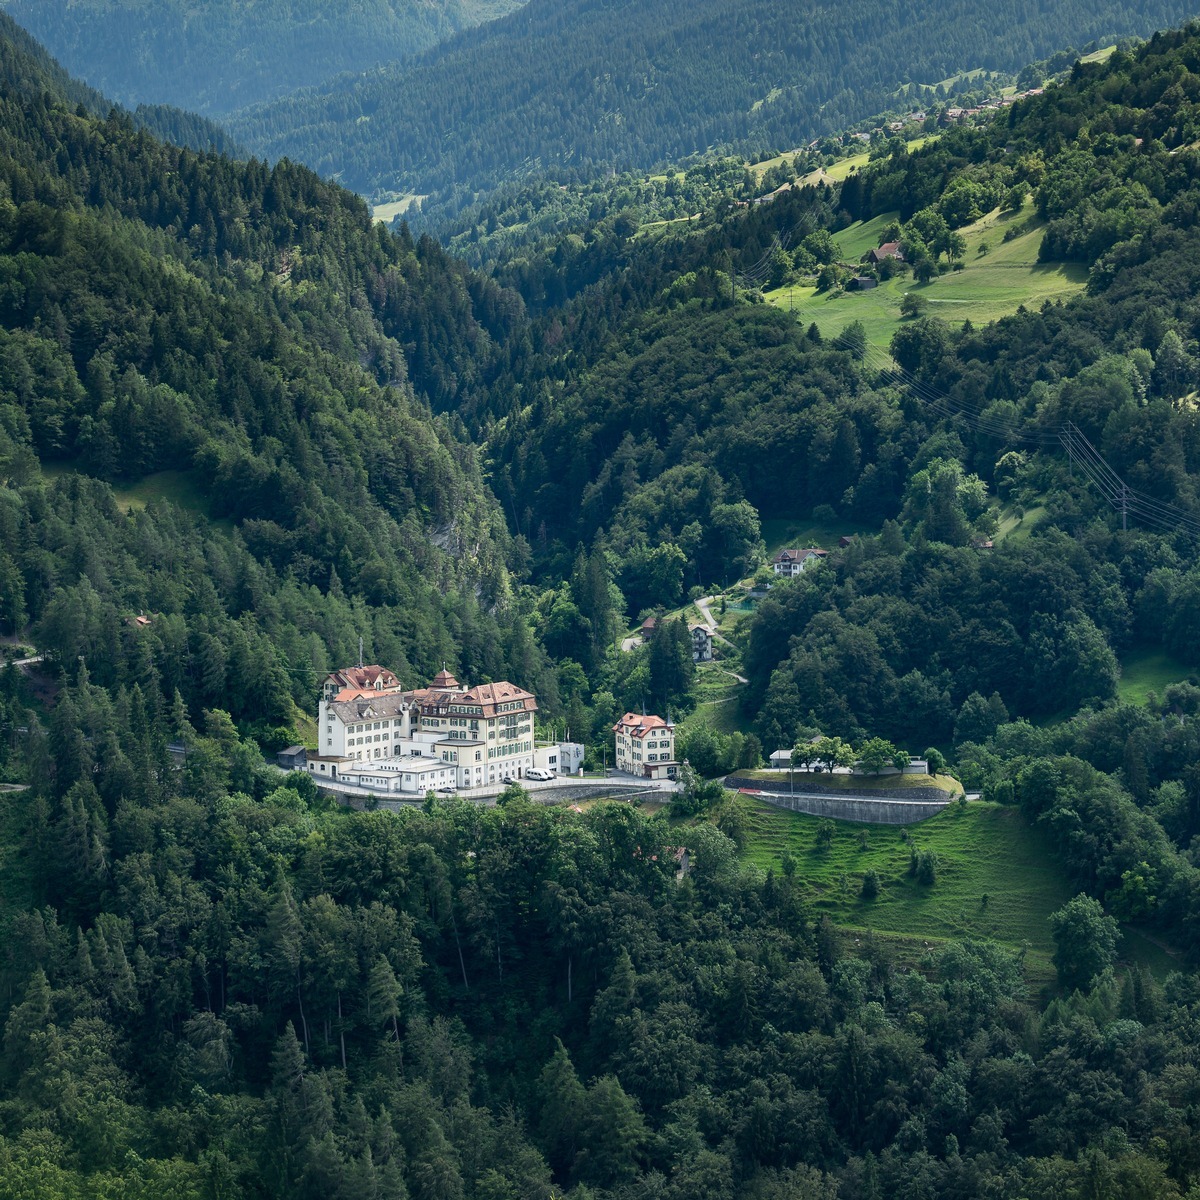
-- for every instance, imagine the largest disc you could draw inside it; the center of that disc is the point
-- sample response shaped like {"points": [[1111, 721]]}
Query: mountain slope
{"points": [[180, 316], [589, 84], [213, 56]]}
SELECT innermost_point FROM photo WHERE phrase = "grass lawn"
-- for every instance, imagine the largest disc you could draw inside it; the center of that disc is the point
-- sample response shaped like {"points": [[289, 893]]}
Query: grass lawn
{"points": [[1017, 529], [394, 208], [990, 285], [986, 849], [855, 240], [843, 167], [1147, 669], [721, 714], [178, 487], [799, 533], [717, 693]]}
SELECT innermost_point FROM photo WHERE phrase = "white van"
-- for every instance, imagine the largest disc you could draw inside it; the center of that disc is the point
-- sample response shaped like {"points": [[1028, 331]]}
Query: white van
{"points": [[539, 773]]}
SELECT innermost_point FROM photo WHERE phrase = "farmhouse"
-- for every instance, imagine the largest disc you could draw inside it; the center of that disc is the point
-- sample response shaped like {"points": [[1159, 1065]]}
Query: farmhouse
{"points": [[791, 563], [646, 746], [887, 250]]}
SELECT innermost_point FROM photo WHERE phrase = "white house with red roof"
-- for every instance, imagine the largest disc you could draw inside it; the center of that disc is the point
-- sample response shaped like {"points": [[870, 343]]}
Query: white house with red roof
{"points": [[645, 746], [790, 563]]}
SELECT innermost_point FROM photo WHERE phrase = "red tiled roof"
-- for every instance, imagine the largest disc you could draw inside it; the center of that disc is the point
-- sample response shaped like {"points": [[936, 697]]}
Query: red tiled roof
{"points": [[639, 727], [365, 677]]}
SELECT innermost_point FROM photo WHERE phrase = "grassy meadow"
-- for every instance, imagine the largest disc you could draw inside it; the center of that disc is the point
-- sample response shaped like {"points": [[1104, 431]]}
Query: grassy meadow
{"points": [[983, 850], [176, 487], [1146, 669], [387, 212], [799, 533], [991, 285]]}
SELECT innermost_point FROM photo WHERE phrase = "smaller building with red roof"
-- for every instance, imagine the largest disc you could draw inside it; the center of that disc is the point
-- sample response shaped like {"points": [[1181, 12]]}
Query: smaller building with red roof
{"points": [[645, 746]]}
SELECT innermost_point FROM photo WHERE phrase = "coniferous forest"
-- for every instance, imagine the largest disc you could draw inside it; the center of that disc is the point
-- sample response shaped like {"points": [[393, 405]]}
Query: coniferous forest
{"points": [[242, 426], [214, 57], [580, 88]]}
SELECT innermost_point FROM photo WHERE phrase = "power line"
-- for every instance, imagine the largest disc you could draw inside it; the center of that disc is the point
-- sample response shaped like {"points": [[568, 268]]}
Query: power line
{"points": [[1080, 452]]}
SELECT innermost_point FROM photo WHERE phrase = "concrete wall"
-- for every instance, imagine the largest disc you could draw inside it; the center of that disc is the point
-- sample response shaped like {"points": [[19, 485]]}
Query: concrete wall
{"points": [[596, 789], [820, 786], [868, 812]]}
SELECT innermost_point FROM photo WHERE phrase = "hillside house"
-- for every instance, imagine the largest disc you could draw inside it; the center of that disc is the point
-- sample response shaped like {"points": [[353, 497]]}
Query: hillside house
{"points": [[790, 563], [702, 643], [887, 250], [647, 628], [646, 746]]}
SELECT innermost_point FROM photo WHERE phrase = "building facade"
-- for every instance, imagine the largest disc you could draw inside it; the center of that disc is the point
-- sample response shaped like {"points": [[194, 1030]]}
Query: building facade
{"points": [[645, 746], [484, 733]]}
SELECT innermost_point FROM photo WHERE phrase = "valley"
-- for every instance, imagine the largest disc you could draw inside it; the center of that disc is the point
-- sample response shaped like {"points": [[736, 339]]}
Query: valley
{"points": [[641, 463]]}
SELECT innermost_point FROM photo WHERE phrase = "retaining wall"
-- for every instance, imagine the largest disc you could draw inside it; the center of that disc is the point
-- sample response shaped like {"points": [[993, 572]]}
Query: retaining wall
{"points": [[815, 787], [872, 810]]}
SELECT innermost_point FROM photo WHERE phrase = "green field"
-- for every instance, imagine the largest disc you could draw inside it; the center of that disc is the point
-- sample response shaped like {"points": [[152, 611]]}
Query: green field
{"points": [[799, 533], [990, 285], [1147, 669], [986, 849], [982, 849], [177, 487], [840, 169], [1017, 529], [855, 240], [392, 209], [721, 714]]}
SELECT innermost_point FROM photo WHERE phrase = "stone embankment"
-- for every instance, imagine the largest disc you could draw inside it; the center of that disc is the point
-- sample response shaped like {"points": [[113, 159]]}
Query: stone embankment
{"points": [[881, 806]]}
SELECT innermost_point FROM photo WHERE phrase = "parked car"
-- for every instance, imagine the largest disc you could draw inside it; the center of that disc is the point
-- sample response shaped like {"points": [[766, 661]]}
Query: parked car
{"points": [[540, 774], [448, 791]]}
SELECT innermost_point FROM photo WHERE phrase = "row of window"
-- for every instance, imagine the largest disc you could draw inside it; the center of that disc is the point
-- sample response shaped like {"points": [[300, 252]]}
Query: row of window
{"points": [[369, 725], [510, 749]]}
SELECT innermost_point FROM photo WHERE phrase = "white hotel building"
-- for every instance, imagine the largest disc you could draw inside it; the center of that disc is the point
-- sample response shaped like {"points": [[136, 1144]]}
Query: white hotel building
{"points": [[442, 735]]}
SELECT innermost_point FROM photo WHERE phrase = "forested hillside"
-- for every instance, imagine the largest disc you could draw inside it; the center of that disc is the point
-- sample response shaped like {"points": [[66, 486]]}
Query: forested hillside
{"points": [[214, 983], [178, 315], [585, 86], [213, 56]]}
